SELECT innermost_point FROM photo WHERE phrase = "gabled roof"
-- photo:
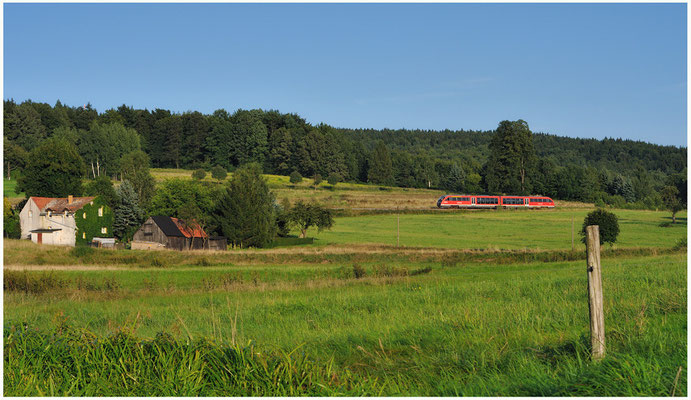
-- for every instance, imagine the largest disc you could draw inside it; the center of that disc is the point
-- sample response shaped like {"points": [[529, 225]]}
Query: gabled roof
{"points": [[60, 204], [167, 225], [177, 228], [191, 229]]}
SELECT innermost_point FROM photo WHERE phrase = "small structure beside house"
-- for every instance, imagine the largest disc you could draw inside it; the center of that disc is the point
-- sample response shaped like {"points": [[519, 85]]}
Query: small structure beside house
{"points": [[160, 232], [65, 221]]}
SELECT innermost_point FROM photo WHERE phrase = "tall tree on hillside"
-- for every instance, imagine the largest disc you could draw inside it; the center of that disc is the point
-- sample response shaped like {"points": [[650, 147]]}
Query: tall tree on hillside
{"points": [[14, 156], [127, 214], [53, 169], [381, 169], [279, 151], [103, 146], [22, 125], [135, 168], [511, 158], [245, 212], [670, 197]]}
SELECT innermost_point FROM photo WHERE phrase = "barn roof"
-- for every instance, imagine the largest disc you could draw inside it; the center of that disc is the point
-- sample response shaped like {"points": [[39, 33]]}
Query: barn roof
{"points": [[167, 225], [190, 229], [177, 228], [60, 204]]}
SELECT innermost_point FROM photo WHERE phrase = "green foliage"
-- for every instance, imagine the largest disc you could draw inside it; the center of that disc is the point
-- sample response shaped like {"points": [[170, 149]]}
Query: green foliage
{"points": [[54, 169], [333, 179], [305, 215], [670, 197], [14, 156], [316, 180], [90, 224], [127, 215], [219, 173], [511, 159], [381, 169], [198, 174], [135, 168], [11, 228], [283, 221], [103, 146], [295, 177], [245, 211], [175, 195], [103, 187], [608, 223]]}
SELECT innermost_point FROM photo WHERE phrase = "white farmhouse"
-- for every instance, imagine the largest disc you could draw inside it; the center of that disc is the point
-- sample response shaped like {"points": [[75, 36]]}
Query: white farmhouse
{"points": [[51, 220]]}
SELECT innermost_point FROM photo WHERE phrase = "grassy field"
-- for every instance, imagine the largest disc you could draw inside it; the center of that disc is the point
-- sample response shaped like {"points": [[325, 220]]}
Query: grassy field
{"points": [[508, 229], [416, 328], [476, 303], [8, 188]]}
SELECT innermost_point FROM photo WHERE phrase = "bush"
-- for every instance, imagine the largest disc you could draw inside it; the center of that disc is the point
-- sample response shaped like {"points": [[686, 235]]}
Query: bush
{"points": [[608, 223], [198, 174], [219, 173], [317, 180], [333, 179], [295, 177]]}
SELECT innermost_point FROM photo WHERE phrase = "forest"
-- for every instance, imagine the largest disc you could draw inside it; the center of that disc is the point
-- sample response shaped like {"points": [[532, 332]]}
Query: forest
{"points": [[621, 173]]}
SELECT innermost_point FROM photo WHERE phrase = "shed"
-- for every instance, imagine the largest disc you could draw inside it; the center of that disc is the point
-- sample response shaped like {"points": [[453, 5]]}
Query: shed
{"points": [[171, 233]]}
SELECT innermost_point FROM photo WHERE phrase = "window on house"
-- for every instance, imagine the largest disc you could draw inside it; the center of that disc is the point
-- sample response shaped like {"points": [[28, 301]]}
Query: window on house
{"points": [[104, 230], [31, 214], [100, 211]]}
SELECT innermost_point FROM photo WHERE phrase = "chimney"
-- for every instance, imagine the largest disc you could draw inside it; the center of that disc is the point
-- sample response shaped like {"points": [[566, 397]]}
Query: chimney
{"points": [[69, 199]]}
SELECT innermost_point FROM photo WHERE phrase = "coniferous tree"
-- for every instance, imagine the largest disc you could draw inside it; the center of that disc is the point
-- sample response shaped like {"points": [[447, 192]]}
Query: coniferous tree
{"points": [[245, 212], [511, 158], [381, 169], [128, 214]]}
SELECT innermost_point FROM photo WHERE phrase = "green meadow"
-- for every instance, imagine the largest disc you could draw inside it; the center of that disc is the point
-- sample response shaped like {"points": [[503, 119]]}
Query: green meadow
{"points": [[505, 229], [481, 303]]}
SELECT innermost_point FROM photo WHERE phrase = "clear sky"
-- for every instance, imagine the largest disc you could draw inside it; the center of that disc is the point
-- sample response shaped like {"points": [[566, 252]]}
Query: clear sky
{"points": [[579, 70]]}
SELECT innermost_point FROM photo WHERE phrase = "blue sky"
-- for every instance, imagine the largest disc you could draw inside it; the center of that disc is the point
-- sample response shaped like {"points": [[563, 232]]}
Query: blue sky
{"points": [[579, 70]]}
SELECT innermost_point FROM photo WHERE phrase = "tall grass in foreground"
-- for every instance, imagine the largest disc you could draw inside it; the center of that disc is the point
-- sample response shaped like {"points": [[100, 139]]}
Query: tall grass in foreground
{"points": [[74, 362], [71, 362]]}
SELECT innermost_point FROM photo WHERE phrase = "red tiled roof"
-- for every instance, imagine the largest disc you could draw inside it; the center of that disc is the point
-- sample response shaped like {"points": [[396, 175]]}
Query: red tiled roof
{"points": [[189, 230], [60, 204]]}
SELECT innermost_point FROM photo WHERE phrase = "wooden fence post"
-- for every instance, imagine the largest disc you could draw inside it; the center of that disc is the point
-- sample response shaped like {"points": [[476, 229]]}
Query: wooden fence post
{"points": [[595, 305], [398, 230]]}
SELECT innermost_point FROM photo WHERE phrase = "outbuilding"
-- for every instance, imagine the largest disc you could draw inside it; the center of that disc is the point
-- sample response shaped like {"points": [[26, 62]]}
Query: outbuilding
{"points": [[162, 232]]}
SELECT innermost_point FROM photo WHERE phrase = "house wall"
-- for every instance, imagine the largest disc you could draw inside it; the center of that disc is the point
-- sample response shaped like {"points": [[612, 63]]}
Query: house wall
{"points": [[63, 237]]}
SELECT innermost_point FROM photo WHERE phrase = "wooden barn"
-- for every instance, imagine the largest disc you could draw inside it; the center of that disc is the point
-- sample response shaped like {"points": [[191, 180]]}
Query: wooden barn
{"points": [[159, 232]]}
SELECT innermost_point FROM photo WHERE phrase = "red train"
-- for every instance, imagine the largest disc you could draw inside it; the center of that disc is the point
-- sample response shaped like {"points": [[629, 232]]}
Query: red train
{"points": [[480, 201]]}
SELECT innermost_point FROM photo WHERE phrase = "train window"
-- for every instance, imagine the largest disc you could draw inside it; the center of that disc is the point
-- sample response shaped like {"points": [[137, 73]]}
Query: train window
{"points": [[465, 198]]}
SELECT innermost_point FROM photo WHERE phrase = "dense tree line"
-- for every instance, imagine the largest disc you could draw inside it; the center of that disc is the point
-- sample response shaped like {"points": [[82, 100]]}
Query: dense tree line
{"points": [[115, 142]]}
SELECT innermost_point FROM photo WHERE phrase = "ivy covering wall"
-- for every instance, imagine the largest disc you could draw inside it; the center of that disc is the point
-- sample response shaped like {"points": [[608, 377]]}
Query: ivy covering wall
{"points": [[90, 224]]}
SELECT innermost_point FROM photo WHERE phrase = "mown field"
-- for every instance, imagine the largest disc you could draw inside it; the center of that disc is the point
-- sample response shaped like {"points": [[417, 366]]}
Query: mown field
{"points": [[477, 303]]}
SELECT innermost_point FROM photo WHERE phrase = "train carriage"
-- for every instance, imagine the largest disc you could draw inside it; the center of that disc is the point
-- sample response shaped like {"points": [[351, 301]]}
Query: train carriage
{"points": [[483, 201]]}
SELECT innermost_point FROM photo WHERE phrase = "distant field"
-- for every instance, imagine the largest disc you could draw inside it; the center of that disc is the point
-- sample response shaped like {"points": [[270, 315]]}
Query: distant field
{"points": [[531, 229], [348, 196], [8, 188]]}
